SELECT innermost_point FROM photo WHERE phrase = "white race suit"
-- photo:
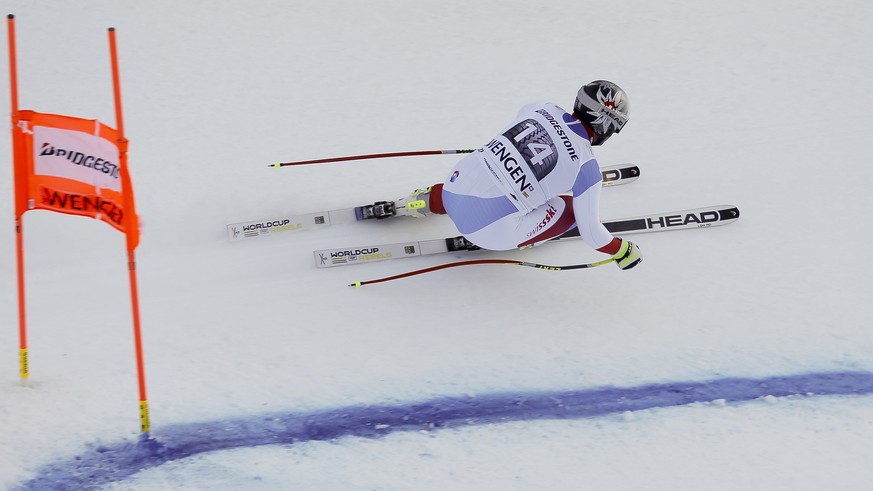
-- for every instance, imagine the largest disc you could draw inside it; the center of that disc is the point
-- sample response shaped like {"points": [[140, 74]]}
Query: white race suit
{"points": [[534, 181]]}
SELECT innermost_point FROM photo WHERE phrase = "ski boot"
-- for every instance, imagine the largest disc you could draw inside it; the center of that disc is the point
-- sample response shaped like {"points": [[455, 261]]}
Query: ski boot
{"points": [[417, 204]]}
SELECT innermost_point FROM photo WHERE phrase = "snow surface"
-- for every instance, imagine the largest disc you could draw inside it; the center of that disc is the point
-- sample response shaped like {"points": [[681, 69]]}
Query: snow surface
{"points": [[738, 357]]}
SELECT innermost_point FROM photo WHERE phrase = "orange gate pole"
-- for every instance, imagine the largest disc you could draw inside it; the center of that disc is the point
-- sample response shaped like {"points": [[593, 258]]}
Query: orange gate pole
{"points": [[130, 225], [20, 205]]}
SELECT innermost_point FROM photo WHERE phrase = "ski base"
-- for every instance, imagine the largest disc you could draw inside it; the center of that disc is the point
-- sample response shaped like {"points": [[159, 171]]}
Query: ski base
{"points": [[694, 218]]}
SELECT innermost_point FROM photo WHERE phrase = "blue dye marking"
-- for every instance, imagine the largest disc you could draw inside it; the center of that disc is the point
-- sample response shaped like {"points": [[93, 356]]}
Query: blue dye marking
{"points": [[106, 464]]}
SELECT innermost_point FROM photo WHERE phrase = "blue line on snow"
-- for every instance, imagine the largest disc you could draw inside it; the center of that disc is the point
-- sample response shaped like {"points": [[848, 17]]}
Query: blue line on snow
{"points": [[106, 464]]}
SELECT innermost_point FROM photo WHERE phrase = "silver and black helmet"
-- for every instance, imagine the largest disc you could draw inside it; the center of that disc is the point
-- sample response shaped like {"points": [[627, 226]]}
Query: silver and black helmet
{"points": [[604, 107]]}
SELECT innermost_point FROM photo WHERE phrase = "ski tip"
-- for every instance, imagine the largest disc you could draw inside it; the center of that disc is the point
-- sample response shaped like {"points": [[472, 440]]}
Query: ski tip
{"points": [[356, 284], [274, 164], [728, 212]]}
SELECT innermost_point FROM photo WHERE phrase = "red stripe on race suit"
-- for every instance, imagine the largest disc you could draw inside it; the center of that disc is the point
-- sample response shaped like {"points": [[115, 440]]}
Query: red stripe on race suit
{"points": [[565, 222]]}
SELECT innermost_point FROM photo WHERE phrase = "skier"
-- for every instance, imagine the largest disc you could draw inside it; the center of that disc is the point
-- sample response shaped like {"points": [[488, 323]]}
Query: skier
{"points": [[510, 193]]}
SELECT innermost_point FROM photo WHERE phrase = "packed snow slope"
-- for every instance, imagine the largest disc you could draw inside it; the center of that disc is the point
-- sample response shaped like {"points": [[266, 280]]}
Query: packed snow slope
{"points": [[746, 349]]}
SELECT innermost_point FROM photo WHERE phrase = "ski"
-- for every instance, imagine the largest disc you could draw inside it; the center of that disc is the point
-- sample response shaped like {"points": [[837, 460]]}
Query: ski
{"points": [[612, 176], [694, 218]]}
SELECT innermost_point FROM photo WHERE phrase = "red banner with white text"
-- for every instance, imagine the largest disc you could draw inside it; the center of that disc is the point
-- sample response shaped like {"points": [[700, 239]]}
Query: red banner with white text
{"points": [[75, 166]]}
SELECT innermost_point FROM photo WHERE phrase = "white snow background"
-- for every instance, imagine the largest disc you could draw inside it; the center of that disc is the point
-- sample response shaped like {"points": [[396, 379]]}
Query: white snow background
{"points": [[738, 357]]}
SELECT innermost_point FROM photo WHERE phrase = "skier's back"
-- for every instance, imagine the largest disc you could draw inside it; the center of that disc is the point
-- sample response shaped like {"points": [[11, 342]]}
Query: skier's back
{"points": [[510, 193]]}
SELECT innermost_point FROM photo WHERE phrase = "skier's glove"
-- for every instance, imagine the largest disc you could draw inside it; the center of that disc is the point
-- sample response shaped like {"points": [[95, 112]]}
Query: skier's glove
{"points": [[628, 255]]}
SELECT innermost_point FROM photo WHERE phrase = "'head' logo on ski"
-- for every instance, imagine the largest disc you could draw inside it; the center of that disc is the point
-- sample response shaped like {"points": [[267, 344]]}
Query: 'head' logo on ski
{"points": [[702, 220]]}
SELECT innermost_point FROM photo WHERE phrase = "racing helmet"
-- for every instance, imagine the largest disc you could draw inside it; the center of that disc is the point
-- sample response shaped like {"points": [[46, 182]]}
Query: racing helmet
{"points": [[604, 107]]}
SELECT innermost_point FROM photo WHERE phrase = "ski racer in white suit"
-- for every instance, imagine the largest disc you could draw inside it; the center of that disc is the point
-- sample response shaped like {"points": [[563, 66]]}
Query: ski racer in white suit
{"points": [[537, 179]]}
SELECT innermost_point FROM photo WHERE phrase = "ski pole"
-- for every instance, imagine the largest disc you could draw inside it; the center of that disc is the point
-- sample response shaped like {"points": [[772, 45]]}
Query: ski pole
{"points": [[370, 156], [359, 284]]}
